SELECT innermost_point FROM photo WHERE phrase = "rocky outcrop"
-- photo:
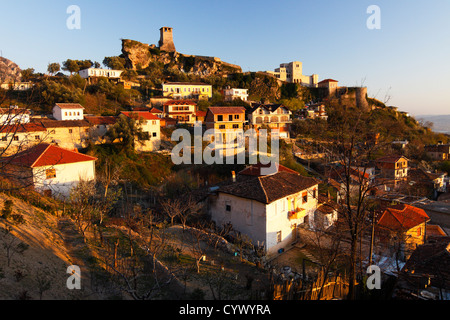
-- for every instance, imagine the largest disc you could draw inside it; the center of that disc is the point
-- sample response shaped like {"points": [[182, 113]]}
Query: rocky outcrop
{"points": [[141, 55], [9, 71]]}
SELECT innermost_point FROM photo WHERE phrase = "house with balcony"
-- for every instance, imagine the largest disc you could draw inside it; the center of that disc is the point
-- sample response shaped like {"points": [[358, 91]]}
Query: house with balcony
{"points": [[269, 209], [187, 90], [228, 124], [272, 116], [393, 168], [184, 111], [230, 94]]}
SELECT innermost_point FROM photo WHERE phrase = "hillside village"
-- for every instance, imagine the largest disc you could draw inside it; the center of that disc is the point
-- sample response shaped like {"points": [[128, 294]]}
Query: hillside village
{"points": [[357, 182]]}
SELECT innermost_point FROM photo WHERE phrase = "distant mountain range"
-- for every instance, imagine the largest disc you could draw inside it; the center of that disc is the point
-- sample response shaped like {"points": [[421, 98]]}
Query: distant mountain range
{"points": [[441, 123]]}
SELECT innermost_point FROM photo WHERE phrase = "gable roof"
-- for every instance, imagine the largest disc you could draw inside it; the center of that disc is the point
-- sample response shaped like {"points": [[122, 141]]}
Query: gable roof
{"points": [[187, 83], [418, 174], [46, 155], [255, 170], [97, 120], [147, 115], [328, 80], [226, 110], [271, 107], [22, 127], [14, 111], [390, 159], [180, 102], [64, 123], [200, 113], [430, 261], [155, 110], [269, 188], [69, 105], [402, 217]]}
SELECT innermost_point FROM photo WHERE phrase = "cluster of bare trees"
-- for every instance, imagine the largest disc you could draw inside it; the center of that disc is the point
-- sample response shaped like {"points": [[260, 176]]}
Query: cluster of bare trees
{"points": [[354, 138]]}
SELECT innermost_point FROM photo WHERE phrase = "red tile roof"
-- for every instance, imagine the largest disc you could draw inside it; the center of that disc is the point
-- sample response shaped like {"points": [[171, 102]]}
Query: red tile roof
{"points": [[155, 110], [328, 80], [267, 188], [46, 155], [225, 110], [402, 217], [390, 159], [14, 111], [200, 113], [147, 115], [25, 127], [96, 120], [187, 83], [255, 170], [69, 105], [180, 102]]}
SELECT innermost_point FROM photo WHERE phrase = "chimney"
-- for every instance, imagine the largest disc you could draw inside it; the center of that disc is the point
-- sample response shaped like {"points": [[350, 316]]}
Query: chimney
{"points": [[233, 174]]}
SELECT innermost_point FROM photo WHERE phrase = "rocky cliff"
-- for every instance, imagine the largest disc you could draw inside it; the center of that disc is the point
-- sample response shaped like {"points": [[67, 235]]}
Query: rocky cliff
{"points": [[9, 71], [141, 55]]}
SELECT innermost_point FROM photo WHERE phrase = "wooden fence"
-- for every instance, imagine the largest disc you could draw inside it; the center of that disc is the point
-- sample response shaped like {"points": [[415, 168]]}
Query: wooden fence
{"points": [[321, 288]]}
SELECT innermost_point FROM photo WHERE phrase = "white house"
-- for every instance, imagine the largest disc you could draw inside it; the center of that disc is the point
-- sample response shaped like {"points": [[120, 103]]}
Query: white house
{"points": [[151, 125], [14, 115], [267, 208], [235, 93], [68, 111], [274, 116], [50, 169], [98, 72]]}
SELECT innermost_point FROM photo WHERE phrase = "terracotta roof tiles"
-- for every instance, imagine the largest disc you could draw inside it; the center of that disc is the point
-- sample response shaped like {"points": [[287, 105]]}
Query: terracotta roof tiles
{"points": [[144, 114], [268, 188], [402, 217], [46, 155]]}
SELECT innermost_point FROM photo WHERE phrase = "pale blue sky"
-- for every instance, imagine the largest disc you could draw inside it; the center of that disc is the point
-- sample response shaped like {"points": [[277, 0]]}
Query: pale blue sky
{"points": [[407, 59]]}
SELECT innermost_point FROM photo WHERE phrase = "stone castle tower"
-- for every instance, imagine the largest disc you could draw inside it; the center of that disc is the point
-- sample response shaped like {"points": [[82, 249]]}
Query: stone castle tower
{"points": [[166, 39]]}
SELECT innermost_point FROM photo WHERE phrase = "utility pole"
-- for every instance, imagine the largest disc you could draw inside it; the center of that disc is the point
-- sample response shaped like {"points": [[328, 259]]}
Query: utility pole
{"points": [[372, 238]]}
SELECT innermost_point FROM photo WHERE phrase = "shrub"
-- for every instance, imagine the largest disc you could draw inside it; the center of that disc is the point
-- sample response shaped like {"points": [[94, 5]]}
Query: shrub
{"points": [[7, 209]]}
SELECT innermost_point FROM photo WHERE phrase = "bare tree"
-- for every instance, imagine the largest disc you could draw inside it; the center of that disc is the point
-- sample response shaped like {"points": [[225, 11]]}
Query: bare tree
{"points": [[172, 208], [139, 273], [12, 244], [354, 139]]}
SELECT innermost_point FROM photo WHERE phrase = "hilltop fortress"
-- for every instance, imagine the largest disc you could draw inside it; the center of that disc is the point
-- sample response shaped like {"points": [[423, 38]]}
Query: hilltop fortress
{"points": [[140, 55]]}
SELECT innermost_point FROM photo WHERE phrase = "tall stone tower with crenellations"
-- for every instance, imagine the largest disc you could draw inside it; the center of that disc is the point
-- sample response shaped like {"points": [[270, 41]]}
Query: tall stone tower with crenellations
{"points": [[166, 40]]}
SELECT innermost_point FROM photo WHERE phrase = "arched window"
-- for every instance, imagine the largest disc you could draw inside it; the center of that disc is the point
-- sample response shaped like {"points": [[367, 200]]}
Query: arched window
{"points": [[258, 120]]}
